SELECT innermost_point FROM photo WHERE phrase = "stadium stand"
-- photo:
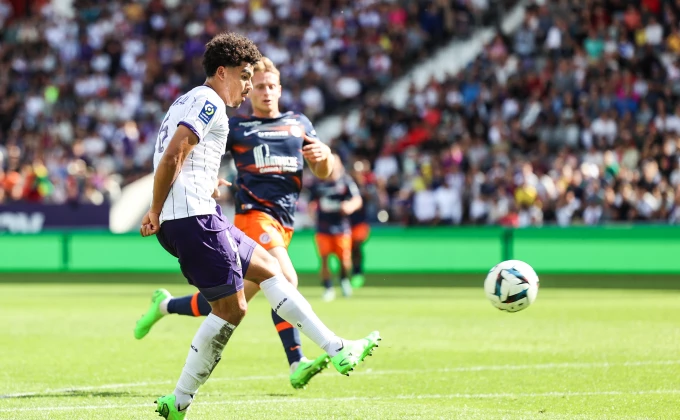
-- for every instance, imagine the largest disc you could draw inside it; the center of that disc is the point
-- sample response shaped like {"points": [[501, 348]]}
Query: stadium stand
{"points": [[80, 95], [574, 118]]}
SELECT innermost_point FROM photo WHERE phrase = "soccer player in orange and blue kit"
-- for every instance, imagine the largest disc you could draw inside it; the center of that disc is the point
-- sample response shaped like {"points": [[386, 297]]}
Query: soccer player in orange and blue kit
{"points": [[268, 149], [335, 199]]}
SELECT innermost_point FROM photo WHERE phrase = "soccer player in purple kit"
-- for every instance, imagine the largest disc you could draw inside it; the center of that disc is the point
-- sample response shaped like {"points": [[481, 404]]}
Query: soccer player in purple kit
{"points": [[269, 148], [212, 253]]}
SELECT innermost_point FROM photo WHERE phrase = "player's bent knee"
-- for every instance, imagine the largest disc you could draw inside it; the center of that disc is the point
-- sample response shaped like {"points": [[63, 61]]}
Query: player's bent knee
{"points": [[262, 266], [233, 315], [231, 308], [242, 308]]}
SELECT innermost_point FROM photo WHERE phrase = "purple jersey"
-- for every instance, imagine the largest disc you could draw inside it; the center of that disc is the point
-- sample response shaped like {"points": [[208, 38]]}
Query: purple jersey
{"points": [[330, 195], [268, 157]]}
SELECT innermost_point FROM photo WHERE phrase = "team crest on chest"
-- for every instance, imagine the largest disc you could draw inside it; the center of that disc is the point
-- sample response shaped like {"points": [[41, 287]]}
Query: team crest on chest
{"points": [[295, 131]]}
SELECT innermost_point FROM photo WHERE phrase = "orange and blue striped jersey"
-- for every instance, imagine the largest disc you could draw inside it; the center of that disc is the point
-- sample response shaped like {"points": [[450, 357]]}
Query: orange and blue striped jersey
{"points": [[268, 157], [330, 196]]}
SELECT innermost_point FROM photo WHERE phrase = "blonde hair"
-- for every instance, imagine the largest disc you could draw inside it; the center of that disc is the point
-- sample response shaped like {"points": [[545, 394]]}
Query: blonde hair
{"points": [[266, 65]]}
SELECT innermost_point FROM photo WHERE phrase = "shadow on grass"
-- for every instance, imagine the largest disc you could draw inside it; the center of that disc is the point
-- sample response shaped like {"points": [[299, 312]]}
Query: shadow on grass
{"points": [[567, 281], [76, 393]]}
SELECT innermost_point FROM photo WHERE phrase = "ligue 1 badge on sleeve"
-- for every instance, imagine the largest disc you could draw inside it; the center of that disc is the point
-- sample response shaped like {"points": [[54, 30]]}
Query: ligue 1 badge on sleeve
{"points": [[207, 112]]}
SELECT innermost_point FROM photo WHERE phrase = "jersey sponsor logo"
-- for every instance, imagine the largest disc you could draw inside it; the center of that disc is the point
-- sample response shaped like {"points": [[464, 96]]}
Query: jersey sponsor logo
{"points": [[249, 123], [294, 130], [289, 121], [267, 163], [265, 238], [273, 134], [207, 112]]}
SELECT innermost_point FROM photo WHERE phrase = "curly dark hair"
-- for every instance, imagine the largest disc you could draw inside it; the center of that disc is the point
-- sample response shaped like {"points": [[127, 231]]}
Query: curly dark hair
{"points": [[229, 50]]}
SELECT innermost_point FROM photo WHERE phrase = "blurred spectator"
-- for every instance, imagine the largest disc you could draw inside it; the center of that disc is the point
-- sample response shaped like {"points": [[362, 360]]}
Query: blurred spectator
{"points": [[573, 119], [81, 96]]}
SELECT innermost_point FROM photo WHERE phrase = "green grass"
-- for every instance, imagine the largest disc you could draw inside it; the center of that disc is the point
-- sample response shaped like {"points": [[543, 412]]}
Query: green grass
{"points": [[67, 352]]}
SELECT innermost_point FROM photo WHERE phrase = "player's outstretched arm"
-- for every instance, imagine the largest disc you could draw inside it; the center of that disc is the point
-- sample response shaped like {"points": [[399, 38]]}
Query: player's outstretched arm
{"points": [[319, 157], [179, 147], [350, 206]]}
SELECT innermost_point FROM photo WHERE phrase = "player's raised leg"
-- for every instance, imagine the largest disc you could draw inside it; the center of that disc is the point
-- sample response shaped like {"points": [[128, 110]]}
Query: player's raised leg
{"points": [[302, 370], [270, 233], [288, 303]]}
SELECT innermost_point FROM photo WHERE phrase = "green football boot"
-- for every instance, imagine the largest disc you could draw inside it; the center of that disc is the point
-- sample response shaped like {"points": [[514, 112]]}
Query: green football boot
{"points": [[167, 408], [354, 352], [152, 315], [307, 369], [358, 281]]}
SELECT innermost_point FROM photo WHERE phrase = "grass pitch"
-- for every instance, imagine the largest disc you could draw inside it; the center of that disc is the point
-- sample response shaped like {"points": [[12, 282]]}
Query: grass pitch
{"points": [[67, 352]]}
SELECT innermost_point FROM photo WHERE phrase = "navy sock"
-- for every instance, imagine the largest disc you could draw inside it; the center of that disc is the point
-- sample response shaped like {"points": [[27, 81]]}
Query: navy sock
{"points": [[328, 284], [191, 305], [290, 338], [357, 261]]}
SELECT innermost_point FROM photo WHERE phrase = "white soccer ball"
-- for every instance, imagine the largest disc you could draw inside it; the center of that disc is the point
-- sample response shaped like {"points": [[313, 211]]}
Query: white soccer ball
{"points": [[511, 286]]}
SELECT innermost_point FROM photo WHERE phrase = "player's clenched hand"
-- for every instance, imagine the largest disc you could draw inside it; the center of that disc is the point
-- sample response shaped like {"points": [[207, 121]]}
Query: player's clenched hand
{"points": [[220, 182], [150, 224], [345, 208], [315, 150]]}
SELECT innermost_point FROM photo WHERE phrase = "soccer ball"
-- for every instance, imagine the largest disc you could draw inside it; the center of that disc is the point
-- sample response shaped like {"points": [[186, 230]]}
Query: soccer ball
{"points": [[511, 286]]}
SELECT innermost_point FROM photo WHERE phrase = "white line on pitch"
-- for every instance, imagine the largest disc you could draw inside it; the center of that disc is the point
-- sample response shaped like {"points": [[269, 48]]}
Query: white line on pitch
{"points": [[568, 365], [356, 398]]}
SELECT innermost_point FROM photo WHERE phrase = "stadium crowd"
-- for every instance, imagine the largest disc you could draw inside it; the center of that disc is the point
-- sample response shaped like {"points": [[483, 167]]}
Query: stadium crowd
{"points": [[81, 96], [574, 118]]}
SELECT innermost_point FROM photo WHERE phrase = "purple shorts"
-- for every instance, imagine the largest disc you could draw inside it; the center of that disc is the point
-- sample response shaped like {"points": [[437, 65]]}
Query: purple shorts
{"points": [[213, 254]]}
